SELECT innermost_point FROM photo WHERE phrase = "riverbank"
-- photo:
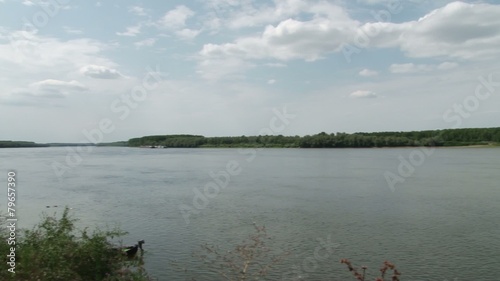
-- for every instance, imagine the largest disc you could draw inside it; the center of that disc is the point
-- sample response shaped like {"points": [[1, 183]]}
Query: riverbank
{"points": [[474, 137]]}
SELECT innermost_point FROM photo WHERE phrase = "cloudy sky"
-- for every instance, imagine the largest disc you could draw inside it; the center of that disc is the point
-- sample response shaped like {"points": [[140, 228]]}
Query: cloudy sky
{"points": [[121, 69]]}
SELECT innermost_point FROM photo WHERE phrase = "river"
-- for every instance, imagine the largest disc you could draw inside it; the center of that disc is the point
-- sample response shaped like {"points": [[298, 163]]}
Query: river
{"points": [[437, 218]]}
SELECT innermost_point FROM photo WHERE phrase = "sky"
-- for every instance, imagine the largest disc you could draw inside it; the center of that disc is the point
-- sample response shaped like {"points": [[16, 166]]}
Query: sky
{"points": [[103, 71]]}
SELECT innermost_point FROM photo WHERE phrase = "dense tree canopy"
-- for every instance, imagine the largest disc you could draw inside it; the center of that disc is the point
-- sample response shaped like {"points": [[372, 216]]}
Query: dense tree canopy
{"points": [[448, 137]]}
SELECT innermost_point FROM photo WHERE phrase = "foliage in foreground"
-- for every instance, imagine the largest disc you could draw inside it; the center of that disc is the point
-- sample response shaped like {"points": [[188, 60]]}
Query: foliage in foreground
{"points": [[383, 270], [252, 259], [54, 250]]}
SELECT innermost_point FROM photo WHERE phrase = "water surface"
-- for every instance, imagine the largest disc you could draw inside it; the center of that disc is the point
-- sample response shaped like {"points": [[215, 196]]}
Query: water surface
{"points": [[441, 223]]}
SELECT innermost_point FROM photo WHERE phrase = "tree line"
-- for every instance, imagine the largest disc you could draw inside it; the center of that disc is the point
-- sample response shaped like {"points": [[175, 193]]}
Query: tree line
{"points": [[7, 144], [447, 137]]}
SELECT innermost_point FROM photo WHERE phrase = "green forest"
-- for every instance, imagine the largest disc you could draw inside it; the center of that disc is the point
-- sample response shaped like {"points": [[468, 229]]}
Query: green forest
{"points": [[448, 137]]}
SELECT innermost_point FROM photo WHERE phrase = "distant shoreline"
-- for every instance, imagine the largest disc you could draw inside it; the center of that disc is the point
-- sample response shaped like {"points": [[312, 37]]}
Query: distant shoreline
{"points": [[432, 138], [262, 147], [459, 138]]}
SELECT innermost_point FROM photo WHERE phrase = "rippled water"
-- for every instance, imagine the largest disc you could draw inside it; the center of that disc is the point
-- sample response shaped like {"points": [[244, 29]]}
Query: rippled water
{"points": [[441, 223]]}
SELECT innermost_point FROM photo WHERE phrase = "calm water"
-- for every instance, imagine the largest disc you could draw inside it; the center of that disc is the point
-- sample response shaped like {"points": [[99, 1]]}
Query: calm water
{"points": [[442, 223]]}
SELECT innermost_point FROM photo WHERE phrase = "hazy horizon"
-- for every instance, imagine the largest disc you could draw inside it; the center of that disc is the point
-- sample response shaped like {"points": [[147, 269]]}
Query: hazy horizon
{"points": [[58, 142]]}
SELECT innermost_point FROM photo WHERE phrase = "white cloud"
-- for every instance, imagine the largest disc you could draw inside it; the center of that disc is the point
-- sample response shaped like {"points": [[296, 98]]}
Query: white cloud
{"points": [[421, 68], [52, 84], [457, 30], [187, 33], [145, 43], [27, 57], [379, 34], [272, 39], [131, 31], [175, 19], [325, 32], [175, 22], [28, 3], [251, 16], [30, 51], [290, 39], [368, 73], [137, 10], [100, 72], [50, 88], [363, 94]]}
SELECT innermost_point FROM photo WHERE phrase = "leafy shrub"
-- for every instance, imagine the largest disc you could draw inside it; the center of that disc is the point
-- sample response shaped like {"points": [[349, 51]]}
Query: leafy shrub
{"points": [[54, 250]]}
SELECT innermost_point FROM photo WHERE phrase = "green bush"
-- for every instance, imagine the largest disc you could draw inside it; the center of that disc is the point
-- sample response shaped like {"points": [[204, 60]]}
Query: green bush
{"points": [[54, 250]]}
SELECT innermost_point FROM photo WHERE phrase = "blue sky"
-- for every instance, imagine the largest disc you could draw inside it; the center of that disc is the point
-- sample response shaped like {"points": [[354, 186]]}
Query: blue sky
{"points": [[121, 69]]}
